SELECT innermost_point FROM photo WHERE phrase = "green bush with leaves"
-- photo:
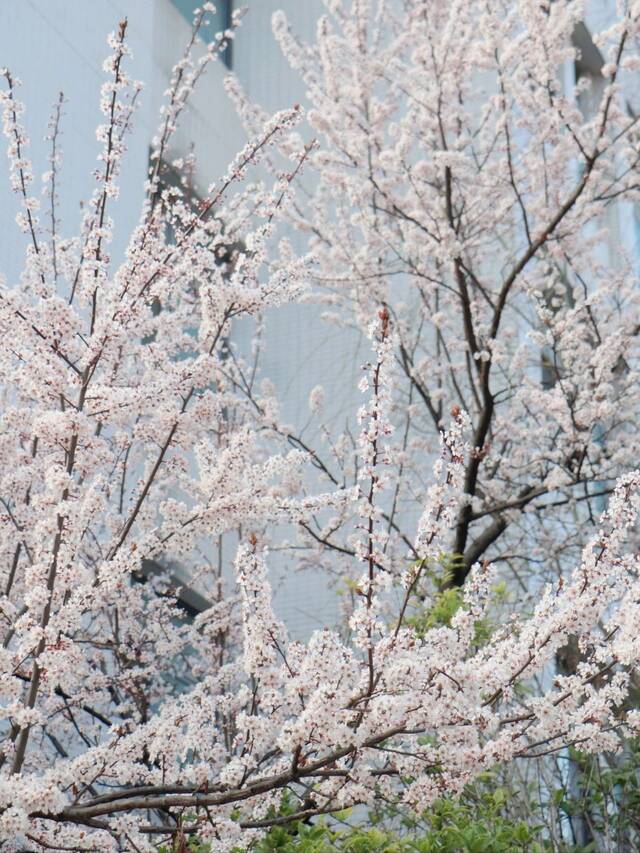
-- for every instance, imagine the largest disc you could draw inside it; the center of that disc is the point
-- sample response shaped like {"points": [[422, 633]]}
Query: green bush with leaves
{"points": [[472, 825], [451, 827], [482, 820]]}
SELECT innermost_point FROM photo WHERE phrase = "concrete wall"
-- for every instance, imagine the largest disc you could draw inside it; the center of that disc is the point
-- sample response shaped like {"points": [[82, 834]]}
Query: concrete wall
{"points": [[59, 45]]}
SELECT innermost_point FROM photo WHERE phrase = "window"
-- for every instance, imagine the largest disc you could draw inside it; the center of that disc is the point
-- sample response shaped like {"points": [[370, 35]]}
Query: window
{"points": [[218, 21], [168, 583], [589, 60], [226, 254], [188, 599]]}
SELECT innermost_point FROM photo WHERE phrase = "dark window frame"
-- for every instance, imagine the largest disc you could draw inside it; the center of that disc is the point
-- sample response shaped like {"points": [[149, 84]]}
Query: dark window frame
{"points": [[226, 7]]}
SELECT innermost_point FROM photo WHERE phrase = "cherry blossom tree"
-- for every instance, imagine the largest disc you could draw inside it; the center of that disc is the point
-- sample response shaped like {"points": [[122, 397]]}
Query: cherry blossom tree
{"points": [[128, 438], [476, 175]]}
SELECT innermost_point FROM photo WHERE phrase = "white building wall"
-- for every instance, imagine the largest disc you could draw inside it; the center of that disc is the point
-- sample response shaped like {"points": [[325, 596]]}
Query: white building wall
{"points": [[60, 45], [302, 350], [54, 46]]}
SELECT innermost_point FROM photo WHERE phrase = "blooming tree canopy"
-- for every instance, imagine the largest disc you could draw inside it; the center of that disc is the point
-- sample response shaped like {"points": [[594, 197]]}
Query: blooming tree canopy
{"points": [[128, 438], [476, 171]]}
